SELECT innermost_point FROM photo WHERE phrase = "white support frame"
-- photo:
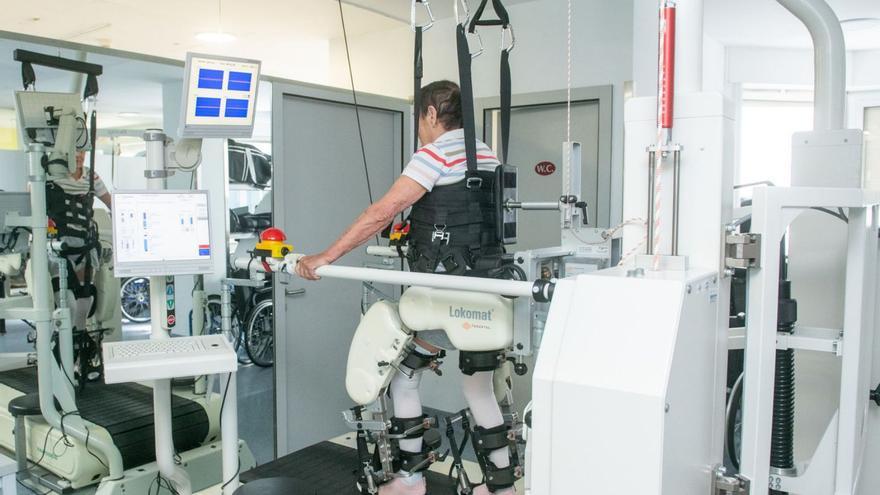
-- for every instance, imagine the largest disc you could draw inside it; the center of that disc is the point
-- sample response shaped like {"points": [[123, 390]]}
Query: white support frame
{"points": [[774, 209]]}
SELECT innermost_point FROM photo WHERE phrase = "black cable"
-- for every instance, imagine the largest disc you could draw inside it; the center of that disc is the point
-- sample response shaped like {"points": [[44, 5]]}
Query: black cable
{"points": [[735, 407], [88, 435], [836, 214], [357, 111]]}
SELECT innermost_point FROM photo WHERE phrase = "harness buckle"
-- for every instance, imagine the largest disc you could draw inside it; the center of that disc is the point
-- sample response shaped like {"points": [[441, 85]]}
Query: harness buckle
{"points": [[440, 234], [474, 182]]}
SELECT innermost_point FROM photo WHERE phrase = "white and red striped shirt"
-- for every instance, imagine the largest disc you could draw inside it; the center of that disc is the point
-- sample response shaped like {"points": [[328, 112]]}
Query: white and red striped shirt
{"points": [[443, 162]]}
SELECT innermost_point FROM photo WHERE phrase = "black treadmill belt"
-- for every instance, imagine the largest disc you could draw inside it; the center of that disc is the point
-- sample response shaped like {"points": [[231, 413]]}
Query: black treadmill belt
{"points": [[125, 410], [330, 468]]}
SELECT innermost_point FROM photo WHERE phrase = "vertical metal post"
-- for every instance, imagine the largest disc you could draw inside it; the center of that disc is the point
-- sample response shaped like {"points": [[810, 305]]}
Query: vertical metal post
{"points": [[65, 330], [229, 412], [229, 435], [20, 446], [155, 174], [2, 295], [652, 168], [676, 190]]}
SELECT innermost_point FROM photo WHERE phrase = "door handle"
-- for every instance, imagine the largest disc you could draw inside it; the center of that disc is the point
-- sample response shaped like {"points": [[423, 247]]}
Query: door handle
{"points": [[294, 292]]}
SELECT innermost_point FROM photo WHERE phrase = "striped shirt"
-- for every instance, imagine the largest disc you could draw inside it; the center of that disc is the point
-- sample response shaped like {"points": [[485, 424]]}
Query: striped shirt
{"points": [[443, 162]]}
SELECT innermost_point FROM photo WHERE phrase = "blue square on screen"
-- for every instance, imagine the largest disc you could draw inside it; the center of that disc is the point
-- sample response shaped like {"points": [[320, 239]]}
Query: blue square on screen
{"points": [[207, 107], [239, 81], [210, 79], [236, 108]]}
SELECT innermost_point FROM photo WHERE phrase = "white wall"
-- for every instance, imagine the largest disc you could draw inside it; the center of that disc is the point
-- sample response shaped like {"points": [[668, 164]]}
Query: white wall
{"points": [[13, 171], [794, 67], [770, 66], [865, 70]]}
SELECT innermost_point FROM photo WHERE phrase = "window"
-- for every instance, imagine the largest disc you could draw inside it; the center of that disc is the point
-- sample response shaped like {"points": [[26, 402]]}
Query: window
{"points": [[765, 139]]}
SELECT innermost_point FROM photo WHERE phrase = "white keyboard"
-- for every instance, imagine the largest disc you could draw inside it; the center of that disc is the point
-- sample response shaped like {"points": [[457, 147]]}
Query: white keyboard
{"points": [[142, 360]]}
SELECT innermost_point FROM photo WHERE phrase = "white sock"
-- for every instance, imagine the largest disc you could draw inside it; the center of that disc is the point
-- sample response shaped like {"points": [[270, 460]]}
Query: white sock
{"points": [[412, 479], [407, 404]]}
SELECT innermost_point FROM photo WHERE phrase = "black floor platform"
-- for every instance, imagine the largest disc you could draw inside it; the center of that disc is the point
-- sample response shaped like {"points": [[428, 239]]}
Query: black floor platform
{"points": [[126, 412], [330, 468]]}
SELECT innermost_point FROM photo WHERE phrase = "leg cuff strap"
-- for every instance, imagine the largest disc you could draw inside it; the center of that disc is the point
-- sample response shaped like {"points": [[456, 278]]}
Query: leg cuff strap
{"points": [[399, 426], [490, 439], [500, 478], [473, 362]]}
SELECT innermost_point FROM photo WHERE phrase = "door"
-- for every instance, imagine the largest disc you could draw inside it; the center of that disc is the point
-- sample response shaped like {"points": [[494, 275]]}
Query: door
{"points": [[537, 131], [321, 187]]}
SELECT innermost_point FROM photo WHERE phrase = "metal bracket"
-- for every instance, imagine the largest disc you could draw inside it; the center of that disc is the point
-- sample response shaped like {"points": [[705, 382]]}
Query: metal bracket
{"points": [[743, 251], [158, 174], [724, 484]]}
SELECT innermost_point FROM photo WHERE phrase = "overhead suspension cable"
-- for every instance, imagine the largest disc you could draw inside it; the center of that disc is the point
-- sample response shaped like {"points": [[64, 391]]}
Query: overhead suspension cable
{"points": [[357, 111]]}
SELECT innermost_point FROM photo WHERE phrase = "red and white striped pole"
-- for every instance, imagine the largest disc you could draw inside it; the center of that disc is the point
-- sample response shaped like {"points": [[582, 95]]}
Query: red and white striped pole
{"points": [[665, 115]]}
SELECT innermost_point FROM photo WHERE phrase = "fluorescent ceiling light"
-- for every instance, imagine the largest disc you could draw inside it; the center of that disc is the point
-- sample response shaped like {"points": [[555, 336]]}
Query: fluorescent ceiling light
{"points": [[129, 114], [860, 23], [215, 37]]}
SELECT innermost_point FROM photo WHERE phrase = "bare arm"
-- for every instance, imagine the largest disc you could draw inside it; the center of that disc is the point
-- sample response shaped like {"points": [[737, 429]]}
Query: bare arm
{"points": [[105, 198], [403, 194]]}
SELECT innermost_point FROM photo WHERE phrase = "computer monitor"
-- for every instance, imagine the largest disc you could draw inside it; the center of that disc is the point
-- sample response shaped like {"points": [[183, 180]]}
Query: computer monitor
{"points": [[161, 233], [219, 97]]}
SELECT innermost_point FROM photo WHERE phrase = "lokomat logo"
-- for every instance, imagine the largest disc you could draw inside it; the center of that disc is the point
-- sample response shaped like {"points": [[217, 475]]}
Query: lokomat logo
{"points": [[470, 314]]}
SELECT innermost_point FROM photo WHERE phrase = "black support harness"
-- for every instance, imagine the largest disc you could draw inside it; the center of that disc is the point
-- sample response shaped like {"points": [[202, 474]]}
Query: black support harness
{"points": [[461, 226]]}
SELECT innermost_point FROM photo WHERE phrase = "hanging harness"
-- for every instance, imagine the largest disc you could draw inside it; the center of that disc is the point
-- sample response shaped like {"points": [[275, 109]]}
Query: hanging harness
{"points": [[73, 215], [463, 227]]}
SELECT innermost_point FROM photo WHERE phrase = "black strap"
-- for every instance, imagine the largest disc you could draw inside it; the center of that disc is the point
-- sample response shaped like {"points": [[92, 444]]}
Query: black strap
{"points": [[506, 102], [467, 102], [93, 137], [503, 17], [418, 73], [399, 426]]}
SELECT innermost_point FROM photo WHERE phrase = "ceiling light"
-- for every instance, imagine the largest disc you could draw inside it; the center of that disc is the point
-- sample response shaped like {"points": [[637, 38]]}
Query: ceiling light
{"points": [[860, 23], [129, 114], [215, 37]]}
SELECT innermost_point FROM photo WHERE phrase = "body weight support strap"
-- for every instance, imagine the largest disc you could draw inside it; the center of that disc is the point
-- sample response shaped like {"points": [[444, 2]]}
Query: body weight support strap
{"points": [[506, 103], [467, 102], [418, 73], [503, 20]]}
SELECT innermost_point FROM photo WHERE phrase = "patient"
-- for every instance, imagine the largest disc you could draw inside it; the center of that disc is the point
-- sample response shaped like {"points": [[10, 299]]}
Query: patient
{"points": [[449, 234]]}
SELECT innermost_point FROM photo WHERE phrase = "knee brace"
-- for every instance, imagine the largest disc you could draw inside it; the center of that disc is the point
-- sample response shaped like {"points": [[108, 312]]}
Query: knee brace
{"points": [[472, 362], [488, 440]]}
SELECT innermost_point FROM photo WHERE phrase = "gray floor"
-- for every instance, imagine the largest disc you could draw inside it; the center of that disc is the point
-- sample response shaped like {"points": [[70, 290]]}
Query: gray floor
{"points": [[255, 391]]}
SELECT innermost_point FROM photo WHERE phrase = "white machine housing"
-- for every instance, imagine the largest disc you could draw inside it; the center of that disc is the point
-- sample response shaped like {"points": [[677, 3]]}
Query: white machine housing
{"points": [[379, 344], [624, 379], [473, 321]]}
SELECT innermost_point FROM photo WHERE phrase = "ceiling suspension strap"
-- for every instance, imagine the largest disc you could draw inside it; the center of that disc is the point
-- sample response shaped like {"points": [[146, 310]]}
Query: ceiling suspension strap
{"points": [[503, 20], [508, 41], [418, 65], [473, 180]]}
